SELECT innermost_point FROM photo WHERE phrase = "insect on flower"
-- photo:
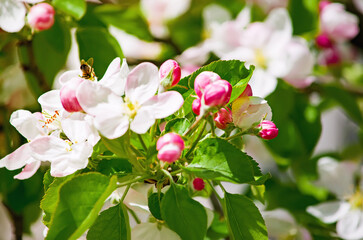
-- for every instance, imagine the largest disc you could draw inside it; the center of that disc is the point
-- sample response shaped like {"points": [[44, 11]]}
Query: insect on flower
{"points": [[87, 69]]}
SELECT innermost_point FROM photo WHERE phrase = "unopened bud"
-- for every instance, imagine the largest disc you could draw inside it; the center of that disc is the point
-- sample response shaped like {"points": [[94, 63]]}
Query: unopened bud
{"points": [[196, 106], [198, 184], [268, 130], [41, 16], [68, 95], [217, 94], [247, 92], [169, 73], [222, 118], [323, 4], [204, 79], [170, 147]]}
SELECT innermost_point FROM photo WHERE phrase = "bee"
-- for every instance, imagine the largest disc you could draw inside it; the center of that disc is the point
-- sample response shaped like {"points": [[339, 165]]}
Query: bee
{"points": [[87, 69]]}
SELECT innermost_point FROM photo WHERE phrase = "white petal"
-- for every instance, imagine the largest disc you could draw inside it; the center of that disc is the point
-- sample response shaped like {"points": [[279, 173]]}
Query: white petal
{"points": [[142, 83], [6, 224], [329, 212], [50, 101], [12, 15], [76, 130], [28, 171], [115, 77], [165, 104], [143, 120], [74, 160], [350, 227], [337, 177], [151, 231], [262, 83], [28, 124], [94, 98], [111, 124], [17, 159], [69, 75], [49, 148]]}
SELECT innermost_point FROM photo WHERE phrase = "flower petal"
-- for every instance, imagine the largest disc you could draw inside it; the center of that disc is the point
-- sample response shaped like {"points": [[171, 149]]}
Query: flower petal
{"points": [[111, 124], [115, 77], [69, 75], [17, 159], [142, 83], [28, 171], [263, 83], [50, 101], [143, 120], [12, 15], [350, 227], [76, 130], [151, 231], [329, 212], [95, 98], [49, 148], [165, 104], [27, 123], [76, 159]]}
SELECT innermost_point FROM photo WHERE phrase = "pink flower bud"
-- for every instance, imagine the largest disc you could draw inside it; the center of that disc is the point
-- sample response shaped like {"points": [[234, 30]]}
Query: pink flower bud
{"points": [[68, 95], [247, 92], [166, 67], [323, 4], [198, 184], [170, 147], [329, 56], [323, 41], [218, 93], [268, 130], [204, 79], [41, 16], [222, 118], [196, 106]]}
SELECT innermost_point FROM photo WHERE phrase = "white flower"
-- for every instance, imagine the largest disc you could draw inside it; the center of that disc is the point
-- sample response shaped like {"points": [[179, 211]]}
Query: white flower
{"points": [[12, 14], [139, 109], [347, 211]]}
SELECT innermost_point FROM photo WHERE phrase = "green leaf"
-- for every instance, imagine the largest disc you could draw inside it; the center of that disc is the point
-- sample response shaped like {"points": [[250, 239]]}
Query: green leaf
{"points": [[218, 159], [75, 8], [114, 165], [128, 19], [99, 44], [178, 125], [154, 201], [119, 146], [243, 218], [51, 196], [304, 15], [51, 49], [111, 224], [344, 99], [184, 215], [80, 200]]}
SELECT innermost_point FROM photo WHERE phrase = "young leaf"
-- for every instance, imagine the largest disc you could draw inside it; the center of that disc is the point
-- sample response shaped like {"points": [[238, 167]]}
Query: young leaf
{"points": [[75, 8], [218, 159], [111, 224], [154, 201], [184, 215], [178, 125], [243, 218], [80, 200]]}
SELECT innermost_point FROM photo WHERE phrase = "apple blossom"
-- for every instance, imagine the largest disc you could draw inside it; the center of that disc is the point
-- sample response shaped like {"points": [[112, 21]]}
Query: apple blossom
{"points": [[248, 111], [170, 147], [167, 67], [138, 110], [217, 93], [268, 130], [12, 15], [41, 16], [196, 106], [198, 184], [203, 79], [223, 118], [323, 41], [337, 23], [68, 95], [347, 211]]}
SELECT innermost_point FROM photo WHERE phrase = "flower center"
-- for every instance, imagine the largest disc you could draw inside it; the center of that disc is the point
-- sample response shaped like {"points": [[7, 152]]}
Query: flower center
{"points": [[260, 58], [356, 200], [131, 108]]}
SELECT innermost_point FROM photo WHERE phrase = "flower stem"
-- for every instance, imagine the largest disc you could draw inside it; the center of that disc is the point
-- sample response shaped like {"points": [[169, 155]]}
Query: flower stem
{"points": [[137, 152], [142, 142], [195, 124], [196, 141], [133, 214], [125, 193], [238, 134], [138, 179]]}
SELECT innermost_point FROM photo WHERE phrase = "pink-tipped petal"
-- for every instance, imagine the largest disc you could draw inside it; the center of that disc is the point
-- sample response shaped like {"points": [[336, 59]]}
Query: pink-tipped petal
{"points": [[68, 95], [196, 106], [142, 83], [223, 118], [169, 153], [27, 123], [268, 130], [28, 171], [41, 16], [204, 79], [17, 159], [218, 93], [170, 138], [166, 67]]}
